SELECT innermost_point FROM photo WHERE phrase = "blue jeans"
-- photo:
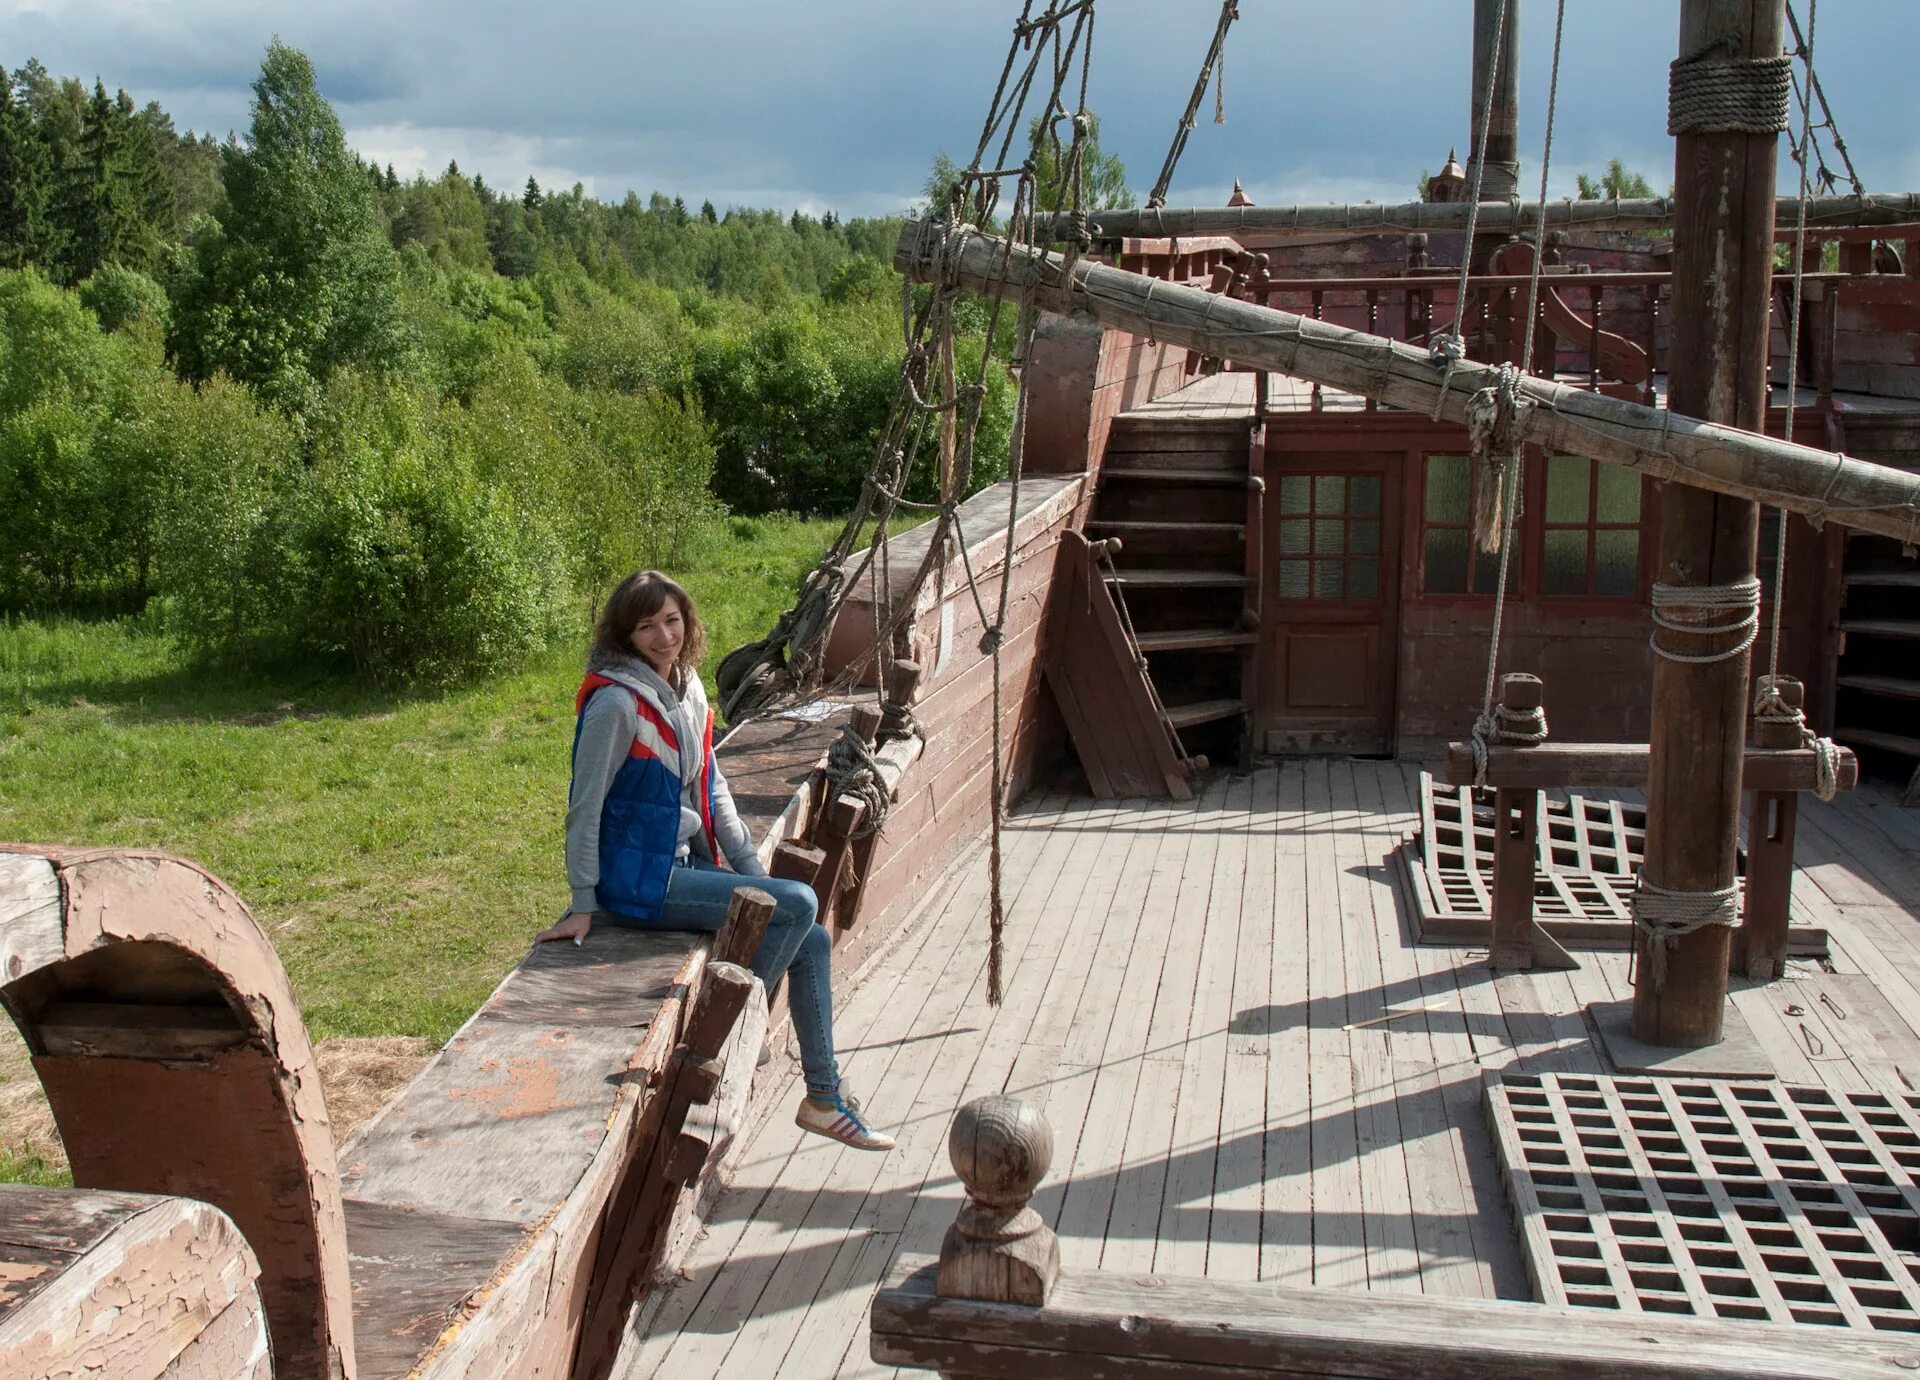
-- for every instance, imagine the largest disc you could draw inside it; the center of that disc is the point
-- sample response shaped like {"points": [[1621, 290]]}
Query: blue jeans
{"points": [[698, 894]]}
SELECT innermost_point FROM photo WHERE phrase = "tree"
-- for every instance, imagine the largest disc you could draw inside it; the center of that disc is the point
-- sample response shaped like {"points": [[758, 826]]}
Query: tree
{"points": [[100, 205], [297, 277], [530, 198], [1103, 177], [708, 214], [26, 173], [1615, 182]]}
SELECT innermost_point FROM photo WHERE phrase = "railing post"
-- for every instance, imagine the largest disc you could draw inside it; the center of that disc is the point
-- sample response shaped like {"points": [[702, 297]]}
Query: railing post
{"points": [[1318, 301], [999, 1250], [1516, 825], [1771, 817]]}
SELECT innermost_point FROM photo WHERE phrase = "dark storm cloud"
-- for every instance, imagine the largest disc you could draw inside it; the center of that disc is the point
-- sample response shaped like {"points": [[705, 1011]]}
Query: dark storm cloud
{"points": [[842, 103]]}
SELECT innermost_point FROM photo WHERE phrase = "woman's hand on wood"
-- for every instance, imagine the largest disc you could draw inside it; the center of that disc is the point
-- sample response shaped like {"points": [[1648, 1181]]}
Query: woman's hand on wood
{"points": [[574, 927]]}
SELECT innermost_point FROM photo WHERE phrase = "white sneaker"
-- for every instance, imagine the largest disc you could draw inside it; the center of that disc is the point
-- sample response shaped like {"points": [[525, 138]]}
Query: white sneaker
{"points": [[841, 1121]]}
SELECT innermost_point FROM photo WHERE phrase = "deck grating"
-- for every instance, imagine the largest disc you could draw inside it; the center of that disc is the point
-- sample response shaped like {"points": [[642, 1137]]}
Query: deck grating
{"points": [[1744, 1201]]}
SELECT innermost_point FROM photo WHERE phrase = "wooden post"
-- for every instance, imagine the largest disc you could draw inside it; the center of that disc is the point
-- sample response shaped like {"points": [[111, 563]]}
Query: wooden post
{"points": [[1501, 180], [999, 1250], [739, 938], [1771, 820], [903, 688], [1516, 824], [1723, 267]]}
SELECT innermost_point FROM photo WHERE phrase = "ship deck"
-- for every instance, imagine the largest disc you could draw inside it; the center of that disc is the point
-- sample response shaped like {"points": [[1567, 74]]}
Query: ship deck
{"points": [[1251, 1071]]}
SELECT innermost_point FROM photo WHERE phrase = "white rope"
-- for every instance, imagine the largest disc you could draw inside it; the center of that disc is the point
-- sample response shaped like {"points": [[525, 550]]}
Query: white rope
{"points": [[1665, 917], [1743, 595]]}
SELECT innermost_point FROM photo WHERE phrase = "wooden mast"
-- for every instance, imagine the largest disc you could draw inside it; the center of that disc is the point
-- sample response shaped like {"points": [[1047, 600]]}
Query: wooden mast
{"points": [[1723, 265], [1493, 39]]}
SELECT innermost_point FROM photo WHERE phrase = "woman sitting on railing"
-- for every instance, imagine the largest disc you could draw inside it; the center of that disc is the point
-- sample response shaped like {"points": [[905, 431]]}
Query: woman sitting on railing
{"points": [[649, 818]]}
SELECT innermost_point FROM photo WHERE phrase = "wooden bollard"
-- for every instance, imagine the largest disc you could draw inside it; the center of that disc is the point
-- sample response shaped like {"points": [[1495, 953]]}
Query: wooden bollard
{"points": [[1771, 819], [739, 937], [903, 687], [797, 862], [999, 1250], [1516, 833]]}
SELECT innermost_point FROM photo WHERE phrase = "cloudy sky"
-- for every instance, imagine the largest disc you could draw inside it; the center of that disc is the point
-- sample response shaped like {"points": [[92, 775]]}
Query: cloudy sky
{"points": [[841, 103]]}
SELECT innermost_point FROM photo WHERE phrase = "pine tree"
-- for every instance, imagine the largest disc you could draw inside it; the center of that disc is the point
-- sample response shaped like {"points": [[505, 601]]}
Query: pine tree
{"points": [[453, 167], [680, 211], [102, 211], [708, 214], [25, 175], [530, 199], [392, 180]]}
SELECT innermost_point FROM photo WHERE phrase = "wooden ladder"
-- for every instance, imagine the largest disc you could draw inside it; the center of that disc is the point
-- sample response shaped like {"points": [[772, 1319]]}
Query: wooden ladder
{"points": [[1185, 502]]}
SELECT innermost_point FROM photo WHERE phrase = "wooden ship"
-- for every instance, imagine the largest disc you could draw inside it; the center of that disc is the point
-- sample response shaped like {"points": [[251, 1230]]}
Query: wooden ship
{"points": [[1328, 1032]]}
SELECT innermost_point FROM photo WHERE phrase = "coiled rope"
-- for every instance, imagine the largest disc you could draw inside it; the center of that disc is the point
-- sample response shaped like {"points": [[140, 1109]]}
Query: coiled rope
{"points": [[1666, 917], [1741, 596], [1742, 96]]}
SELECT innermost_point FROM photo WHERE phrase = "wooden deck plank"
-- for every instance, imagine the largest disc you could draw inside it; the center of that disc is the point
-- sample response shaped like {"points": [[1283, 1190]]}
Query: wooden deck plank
{"points": [[1393, 1262], [1339, 1229], [1233, 1233], [1099, 1157], [1286, 1218], [869, 1195], [1443, 1211], [1194, 1180], [1447, 979], [704, 1312]]}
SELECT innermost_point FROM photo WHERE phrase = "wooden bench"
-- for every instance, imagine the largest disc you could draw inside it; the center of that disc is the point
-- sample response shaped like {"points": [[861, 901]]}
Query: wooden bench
{"points": [[495, 1219], [127, 1286], [997, 1304]]}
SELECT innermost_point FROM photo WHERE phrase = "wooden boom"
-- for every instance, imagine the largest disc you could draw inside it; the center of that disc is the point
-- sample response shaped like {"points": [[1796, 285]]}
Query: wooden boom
{"points": [[1496, 217], [1817, 484]]}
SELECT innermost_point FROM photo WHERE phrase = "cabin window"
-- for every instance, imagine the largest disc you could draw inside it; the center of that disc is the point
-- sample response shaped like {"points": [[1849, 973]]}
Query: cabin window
{"points": [[1329, 536], [1450, 561], [1590, 529]]}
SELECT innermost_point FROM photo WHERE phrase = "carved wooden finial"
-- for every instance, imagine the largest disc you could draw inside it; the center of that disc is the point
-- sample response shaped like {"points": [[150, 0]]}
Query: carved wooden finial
{"points": [[998, 1249]]}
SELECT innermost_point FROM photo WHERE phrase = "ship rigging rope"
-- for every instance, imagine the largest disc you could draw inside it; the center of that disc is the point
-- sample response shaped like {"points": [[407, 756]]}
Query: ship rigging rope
{"points": [[1493, 414], [1803, 48], [933, 410], [1770, 705], [1216, 53]]}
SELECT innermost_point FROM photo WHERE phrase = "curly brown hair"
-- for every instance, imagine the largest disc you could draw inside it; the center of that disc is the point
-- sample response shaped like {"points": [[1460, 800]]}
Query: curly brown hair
{"points": [[641, 595]]}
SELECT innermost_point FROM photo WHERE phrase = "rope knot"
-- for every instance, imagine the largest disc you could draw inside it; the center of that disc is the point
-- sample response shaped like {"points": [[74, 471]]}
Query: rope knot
{"points": [[1495, 417], [1665, 917], [1447, 349], [991, 641]]}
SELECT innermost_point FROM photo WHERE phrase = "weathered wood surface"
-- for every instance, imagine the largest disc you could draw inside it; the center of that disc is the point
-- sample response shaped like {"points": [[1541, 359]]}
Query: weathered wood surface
{"points": [[1625, 765], [149, 931], [1659, 442], [1495, 217], [1103, 690], [127, 1286], [1117, 1326], [1175, 972]]}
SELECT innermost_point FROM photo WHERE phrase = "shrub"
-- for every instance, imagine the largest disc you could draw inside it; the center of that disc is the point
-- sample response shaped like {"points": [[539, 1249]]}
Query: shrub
{"points": [[120, 296]]}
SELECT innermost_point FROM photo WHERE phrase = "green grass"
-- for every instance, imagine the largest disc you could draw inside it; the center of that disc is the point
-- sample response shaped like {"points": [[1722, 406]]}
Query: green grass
{"points": [[24, 1166], [399, 850]]}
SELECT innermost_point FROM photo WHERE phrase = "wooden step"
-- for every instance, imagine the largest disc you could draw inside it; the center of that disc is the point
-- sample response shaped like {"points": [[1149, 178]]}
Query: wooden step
{"points": [[1206, 711], [1904, 577], [1147, 474], [1874, 738], [1891, 686], [1179, 579], [1882, 627], [1197, 640]]}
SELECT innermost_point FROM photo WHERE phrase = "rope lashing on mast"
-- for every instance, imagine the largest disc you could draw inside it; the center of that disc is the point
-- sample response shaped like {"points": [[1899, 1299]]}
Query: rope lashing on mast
{"points": [[1769, 706], [1741, 596], [1494, 416], [1229, 11], [1740, 96], [1666, 917]]}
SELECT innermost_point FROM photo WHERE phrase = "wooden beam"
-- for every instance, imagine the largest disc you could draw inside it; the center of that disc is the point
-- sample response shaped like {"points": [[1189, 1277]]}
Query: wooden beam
{"points": [[1623, 766], [1152, 1327], [1496, 217], [1664, 444]]}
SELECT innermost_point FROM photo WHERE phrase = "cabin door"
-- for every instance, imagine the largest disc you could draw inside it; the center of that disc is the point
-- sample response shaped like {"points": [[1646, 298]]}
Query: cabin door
{"points": [[1331, 604]]}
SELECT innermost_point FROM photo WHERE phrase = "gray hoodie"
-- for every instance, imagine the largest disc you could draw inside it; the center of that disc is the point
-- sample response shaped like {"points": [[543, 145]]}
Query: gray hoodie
{"points": [[607, 729]]}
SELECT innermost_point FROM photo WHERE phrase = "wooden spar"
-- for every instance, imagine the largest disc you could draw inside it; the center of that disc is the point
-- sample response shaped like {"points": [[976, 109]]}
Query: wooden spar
{"points": [[1817, 484], [1722, 270], [1496, 217], [1491, 30]]}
